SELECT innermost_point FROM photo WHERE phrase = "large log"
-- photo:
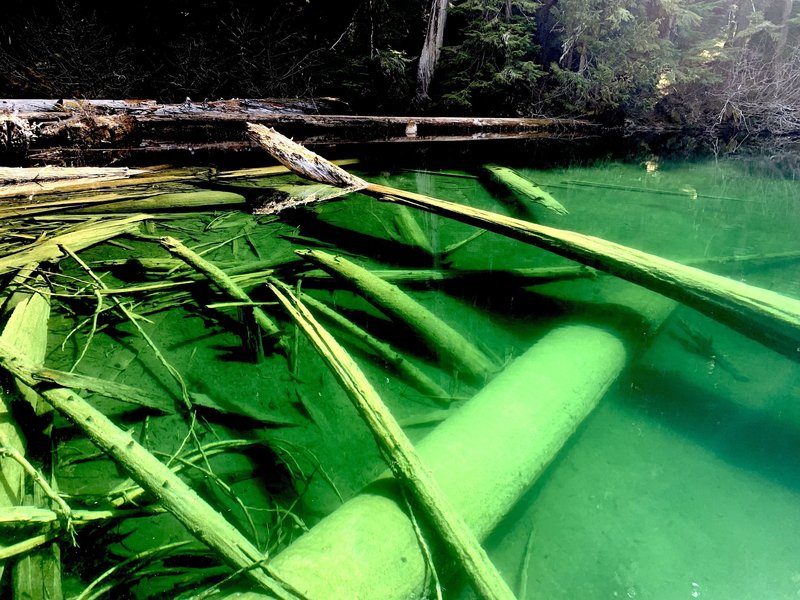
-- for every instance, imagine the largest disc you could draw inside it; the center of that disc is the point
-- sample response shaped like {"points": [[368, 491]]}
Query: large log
{"points": [[485, 456], [763, 315], [99, 130]]}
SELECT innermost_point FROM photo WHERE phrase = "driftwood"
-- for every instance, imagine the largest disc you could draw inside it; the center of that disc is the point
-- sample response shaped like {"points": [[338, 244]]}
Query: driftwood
{"points": [[760, 314], [190, 509], [524, 189], [403, 460], [437, 335]]}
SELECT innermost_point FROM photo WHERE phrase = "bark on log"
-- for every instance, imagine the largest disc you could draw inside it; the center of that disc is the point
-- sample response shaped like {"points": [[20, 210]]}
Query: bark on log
{"points": [[98, 131]]}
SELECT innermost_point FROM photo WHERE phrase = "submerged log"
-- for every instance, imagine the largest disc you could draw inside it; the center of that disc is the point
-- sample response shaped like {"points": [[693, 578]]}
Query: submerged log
{"points": [[519, 277], [525, 189], [437, 335], [404, 462], [485, 456], [763, 315]]}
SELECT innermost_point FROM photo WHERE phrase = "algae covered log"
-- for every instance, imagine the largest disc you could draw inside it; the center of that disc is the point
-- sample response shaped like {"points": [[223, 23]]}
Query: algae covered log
{"points": [[438, 336], [524, 189], [763, 315], [403, 459], [79, 238]]}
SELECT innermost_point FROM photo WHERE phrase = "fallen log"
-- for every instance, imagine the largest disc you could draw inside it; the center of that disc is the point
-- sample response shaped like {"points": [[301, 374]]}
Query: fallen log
{"points": [[80, 237], [441, 338], [403, 459], [100, 130], [763, 315], [524, 189]]}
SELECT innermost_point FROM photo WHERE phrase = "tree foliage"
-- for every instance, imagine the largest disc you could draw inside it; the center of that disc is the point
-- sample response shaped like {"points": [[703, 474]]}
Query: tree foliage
{"points": [[687, 58]]}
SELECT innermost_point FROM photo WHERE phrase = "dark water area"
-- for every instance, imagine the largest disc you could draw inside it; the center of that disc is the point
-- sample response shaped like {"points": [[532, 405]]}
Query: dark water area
{"points": [[683, 482]]}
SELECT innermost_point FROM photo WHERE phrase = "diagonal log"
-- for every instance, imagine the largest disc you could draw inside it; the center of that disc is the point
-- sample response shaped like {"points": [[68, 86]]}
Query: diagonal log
{"points": [[763, 315]]}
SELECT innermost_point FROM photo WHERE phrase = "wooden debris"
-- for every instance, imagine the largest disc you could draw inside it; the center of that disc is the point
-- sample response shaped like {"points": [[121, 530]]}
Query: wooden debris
{"points": [[383, 350], [22, 181], [763, 315], [403, 460], [227, 285], [82, 236], [189, 200], [438, 336], [524, 189], [178, 498]]}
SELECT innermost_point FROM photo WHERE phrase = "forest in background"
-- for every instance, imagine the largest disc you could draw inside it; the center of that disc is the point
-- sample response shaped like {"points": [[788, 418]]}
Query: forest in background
{"points": [[697, 63]]}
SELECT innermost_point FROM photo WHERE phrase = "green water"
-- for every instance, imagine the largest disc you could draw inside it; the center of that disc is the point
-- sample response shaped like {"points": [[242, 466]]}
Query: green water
{"points": [[683, 482]]}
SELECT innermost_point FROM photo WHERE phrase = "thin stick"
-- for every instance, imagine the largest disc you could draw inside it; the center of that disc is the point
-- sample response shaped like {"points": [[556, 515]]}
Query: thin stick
{"points": [[134, 321], [27, 545], [401, 456], [8, 450]]}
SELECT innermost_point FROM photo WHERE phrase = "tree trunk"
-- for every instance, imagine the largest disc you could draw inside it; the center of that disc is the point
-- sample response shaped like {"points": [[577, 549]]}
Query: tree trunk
{"points": [[431, 48]]}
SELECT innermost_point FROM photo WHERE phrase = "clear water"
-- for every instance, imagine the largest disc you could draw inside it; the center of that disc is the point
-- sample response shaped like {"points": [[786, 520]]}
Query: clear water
{"points": [[683, 483]]}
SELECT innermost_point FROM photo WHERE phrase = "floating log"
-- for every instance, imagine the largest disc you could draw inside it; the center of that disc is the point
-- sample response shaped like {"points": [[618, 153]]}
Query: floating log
{"points": [[403, 459], [82, 236], [763, 315], [102, 130], [524, 189], [438, 336]]}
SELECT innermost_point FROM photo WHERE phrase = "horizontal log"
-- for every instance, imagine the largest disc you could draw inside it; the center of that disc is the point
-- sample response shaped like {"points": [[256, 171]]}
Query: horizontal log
{"points": [[99, 131]]}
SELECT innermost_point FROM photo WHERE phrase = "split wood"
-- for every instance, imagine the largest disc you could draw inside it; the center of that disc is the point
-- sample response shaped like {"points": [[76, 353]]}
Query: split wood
{"points": [[763, 315], [401, 456]]}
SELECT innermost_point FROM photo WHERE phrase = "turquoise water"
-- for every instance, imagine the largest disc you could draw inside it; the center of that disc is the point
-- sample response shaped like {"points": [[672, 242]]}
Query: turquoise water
{"points": [[682, 483]]}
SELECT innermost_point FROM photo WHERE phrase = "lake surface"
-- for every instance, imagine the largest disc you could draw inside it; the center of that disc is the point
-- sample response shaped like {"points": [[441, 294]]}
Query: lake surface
{"points": [[682, 483]]}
